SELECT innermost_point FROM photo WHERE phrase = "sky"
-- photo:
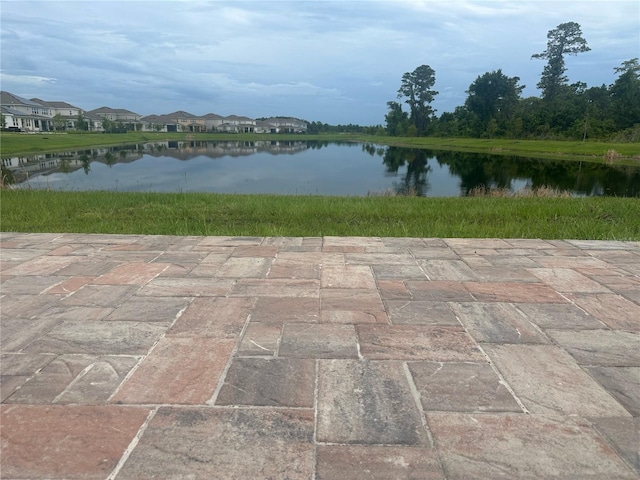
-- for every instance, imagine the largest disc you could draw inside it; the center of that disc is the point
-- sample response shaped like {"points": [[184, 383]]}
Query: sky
{"points": [[336, 62]]}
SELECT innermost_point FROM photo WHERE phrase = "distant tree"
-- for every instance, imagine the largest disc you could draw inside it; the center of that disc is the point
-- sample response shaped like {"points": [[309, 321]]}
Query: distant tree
{"points": [[81, 123], [397, 120], [565, 39], [3, 121], [107, 125], [416, 89], [59, 122], [625, 95], [493, 96]]}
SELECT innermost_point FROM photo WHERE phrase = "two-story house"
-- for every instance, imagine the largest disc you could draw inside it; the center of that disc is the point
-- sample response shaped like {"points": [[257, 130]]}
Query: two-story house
{"points": [[286, 125], [25, 115], [128, 118], [237, 124], [67, 112]]}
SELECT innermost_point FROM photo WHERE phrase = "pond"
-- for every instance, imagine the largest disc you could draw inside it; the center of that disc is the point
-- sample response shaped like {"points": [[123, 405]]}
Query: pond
{"points": [[312, 168]]}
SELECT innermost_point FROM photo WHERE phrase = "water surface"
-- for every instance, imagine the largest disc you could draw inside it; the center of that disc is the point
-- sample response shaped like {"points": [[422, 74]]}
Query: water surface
{"points": [[312, 168]]}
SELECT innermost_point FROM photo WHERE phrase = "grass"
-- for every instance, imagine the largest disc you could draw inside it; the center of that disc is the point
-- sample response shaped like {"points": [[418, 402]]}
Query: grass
{"points": [[596, 218], [13, 144], [569, 150], [19, 144]]}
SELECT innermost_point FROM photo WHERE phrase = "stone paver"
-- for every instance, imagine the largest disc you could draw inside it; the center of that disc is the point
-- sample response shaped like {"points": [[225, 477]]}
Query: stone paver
{"points": [[523, 447], [548, 380], [358, 462], [461, 387], [76, 442], [623, 434], [149, 356], [367, 402], [280, 382], [224, 444]]}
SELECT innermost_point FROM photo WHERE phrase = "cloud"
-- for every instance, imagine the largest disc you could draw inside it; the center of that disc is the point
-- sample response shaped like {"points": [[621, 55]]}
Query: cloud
{"points": [[332, 61], [32, 80]]}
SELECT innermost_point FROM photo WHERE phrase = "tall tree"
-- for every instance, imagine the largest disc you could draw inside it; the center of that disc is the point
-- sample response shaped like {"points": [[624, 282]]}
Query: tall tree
{"points": [[565, 39], [625, 94], [416, 89], [495, 96]]}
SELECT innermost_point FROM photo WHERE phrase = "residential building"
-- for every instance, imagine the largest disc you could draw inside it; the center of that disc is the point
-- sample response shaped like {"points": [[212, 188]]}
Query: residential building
{"points": [[68, 112], [25, 115], [213, 121], [287, 125], [237, 124], [129, 119], [116, 114], [37, 115], [188, 121]]}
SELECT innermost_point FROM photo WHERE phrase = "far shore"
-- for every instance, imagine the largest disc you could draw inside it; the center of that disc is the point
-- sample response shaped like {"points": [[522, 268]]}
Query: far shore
{"points": [[22, 144]]}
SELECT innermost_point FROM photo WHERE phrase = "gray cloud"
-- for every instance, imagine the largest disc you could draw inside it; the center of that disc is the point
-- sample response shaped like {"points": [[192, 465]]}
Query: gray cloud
{"points": [[333, 61]]}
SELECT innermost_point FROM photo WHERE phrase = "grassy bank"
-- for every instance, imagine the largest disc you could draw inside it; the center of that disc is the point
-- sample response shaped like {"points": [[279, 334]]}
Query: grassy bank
{"points": [[24, 144], [13, 144], [570, 150], [266, 215]]}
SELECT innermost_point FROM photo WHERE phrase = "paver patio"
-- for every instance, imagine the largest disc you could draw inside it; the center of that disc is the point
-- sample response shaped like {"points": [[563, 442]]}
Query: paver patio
{"points": [[139, 356]]}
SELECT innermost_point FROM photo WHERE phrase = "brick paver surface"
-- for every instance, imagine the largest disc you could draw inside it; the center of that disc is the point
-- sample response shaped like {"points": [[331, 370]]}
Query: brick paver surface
{"points": [[318, 358]]}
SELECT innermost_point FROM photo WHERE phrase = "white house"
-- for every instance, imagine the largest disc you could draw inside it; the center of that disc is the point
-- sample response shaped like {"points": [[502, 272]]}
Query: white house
{"points": [[120, 115], [28, 116], [213, 121], [67, 111], [237, 124], [287, 125]]}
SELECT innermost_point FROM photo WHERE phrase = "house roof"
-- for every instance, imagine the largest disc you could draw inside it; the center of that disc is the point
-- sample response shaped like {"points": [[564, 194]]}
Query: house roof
{"points": [[236, 117], [93, 116], [54, 104], [180, 114], [112, 110], [281, 120], [7, 98], [212, 116], [157, 119]]}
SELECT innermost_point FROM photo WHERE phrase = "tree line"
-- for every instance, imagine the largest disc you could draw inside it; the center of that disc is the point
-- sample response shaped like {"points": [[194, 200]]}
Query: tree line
{"points": [[494, 106]]}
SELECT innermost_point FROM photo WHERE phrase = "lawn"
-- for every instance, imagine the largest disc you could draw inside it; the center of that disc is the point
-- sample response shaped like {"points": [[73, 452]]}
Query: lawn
{"points": [[596, 218]]}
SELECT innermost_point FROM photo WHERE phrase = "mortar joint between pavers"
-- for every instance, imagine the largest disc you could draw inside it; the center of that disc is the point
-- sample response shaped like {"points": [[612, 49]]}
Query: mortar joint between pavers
{"points": [[133, 444], [503, 381], [236, 348]]}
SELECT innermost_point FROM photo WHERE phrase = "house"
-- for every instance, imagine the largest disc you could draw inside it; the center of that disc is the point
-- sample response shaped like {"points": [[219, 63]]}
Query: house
{"points": [[287, 125], [68, 112], [128, 119], [237, 124], [263, 127], [188, 121], [23, 114], [116, 114], [213, 121], [159, 123], [95, 122], [37, 115]]}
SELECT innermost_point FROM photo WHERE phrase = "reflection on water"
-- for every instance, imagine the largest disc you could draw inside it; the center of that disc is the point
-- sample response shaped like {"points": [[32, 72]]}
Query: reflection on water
{"points": [[311, 168]]}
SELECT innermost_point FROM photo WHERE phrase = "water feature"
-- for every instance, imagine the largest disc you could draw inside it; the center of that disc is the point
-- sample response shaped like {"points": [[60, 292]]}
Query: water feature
{"points": [[311, 168]]}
